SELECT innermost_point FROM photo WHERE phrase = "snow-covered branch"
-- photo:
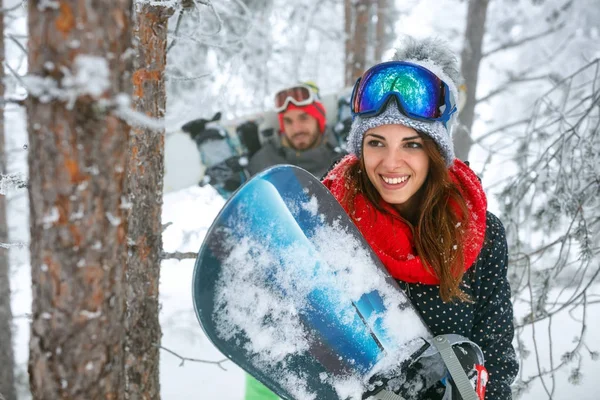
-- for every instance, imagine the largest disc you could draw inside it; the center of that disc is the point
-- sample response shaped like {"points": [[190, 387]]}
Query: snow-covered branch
{"points": [[90, 77], [516, 43], [175, 77], [11, 182], [177, 255], [551, 210], [121, 107], [17, 245], [160, 3], [514, 80], [481, 138]]}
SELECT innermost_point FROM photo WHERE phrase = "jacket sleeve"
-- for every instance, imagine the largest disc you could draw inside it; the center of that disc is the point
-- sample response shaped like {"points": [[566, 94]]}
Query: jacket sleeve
{"points": [[493, 328]]}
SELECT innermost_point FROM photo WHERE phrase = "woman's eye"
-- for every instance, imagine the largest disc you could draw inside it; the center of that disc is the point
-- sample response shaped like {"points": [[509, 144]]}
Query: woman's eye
{"points": [[374, 143], [414, 145]]}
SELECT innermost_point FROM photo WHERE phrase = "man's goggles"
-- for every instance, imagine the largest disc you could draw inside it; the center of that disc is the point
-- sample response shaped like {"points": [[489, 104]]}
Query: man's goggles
{"points": [[419, 93], [300, 95]]}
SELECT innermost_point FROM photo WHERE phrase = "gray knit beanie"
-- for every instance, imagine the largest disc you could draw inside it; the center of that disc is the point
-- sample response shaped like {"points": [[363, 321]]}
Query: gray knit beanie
{"points": [[436, 56]]}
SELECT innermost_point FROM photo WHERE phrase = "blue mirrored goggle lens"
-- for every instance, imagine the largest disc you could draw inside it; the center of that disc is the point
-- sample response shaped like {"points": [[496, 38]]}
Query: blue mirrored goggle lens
{"points": [[420, 92]]}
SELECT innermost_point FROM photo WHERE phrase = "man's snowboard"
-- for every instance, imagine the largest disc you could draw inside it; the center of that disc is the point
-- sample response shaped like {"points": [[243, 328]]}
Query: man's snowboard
{"points": [[288, 289]]}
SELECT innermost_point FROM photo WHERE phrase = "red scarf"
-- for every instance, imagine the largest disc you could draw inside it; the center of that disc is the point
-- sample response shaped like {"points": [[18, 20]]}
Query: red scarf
{"points": [[392, 239]]}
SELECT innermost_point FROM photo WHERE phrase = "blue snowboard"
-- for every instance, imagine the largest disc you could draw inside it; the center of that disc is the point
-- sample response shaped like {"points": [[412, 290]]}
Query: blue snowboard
{"points": [[288, 289]]}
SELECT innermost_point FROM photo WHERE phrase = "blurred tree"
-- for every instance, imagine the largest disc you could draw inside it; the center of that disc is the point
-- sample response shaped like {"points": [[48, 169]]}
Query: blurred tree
{"points": [[470, 60], [79, 61], [368, 32], [7, 360], [356, 17]]}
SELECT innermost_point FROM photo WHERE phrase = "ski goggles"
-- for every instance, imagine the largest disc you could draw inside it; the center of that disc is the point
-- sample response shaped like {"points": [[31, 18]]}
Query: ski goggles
{"points": [[299, 95], [419, 93]]}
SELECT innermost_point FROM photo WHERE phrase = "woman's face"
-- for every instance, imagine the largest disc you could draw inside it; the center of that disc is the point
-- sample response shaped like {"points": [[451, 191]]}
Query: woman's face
{"points": [[396, 163]]}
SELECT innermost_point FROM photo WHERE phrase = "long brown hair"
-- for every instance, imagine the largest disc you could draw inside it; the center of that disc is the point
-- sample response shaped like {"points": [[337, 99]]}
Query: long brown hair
{"points": [[441, 225]]}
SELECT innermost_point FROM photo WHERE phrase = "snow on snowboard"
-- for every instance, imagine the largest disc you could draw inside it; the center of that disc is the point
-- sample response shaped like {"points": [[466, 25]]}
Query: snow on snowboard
{"points": [[288, 289]]}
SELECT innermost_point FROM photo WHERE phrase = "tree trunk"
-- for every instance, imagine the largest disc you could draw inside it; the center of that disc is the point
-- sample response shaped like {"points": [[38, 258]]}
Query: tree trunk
{"points": [[356, 17], [470, 60], [145, 189], [380, 30], [7, 360], [77, 158]]}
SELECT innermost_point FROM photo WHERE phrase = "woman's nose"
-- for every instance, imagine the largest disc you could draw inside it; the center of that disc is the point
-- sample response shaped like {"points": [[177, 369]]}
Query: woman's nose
{"points": [[393, 158]]}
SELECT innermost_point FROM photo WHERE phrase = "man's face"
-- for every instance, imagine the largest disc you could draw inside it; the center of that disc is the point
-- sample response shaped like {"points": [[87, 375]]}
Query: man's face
{"points": [[300, 129]]}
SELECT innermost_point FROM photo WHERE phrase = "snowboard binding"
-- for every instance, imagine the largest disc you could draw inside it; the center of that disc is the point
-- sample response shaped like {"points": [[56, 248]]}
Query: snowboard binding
{"points": [[222, 156], [449, 365]]}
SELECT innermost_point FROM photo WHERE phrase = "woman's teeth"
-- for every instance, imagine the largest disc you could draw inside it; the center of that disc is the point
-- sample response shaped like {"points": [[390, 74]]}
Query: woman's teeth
{"points": [[394, 181]]}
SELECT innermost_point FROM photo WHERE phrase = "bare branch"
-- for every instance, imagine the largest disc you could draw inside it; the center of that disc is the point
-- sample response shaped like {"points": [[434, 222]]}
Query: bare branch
{"points": [[512, 81], [15, 74], [165, 226], [184, 359], [500, 129], [13, 8], [173, 77], [216, 14], [522, 41], [177, 26], [16, 41], [177, 255]]}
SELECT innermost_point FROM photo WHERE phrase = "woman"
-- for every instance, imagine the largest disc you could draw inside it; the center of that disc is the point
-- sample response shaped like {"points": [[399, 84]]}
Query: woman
{"points": [[423, 211]]}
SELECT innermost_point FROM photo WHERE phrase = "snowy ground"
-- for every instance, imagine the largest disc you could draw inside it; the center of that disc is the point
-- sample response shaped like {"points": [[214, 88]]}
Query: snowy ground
{"points": [[192, 211]]}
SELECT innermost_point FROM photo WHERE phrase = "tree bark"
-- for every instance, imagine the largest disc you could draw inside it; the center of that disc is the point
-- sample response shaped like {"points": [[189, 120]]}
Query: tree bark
{"points": [[380, 30], [144, 189], [77, 158], [356, 23], [7, 359], [470, 60]]}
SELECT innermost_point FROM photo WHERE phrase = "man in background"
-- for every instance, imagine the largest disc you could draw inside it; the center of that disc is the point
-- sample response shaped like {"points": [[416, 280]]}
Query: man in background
{"points": [[303, 137]]}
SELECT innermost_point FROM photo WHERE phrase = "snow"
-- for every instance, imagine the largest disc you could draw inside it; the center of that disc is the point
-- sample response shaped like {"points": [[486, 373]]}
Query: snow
{"points": [[124, 111], [91, 76], [91, 314], [11, 182], [51, 217], [114, 220]]}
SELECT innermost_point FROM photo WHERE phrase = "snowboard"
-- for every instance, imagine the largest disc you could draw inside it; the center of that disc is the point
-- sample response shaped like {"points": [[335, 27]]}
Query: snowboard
{"points": [[220, 153], [288, 289]]}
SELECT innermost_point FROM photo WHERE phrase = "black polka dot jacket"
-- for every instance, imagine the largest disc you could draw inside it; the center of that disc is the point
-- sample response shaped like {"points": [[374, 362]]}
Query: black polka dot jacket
{"points": [[488, 320]]}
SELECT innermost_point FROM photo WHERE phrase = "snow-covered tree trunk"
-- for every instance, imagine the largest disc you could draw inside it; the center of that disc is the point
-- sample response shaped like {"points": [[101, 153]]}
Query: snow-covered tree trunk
{"points": [[470, 60], [145, 191], [7, 360], [79, 61]]}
